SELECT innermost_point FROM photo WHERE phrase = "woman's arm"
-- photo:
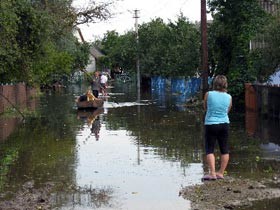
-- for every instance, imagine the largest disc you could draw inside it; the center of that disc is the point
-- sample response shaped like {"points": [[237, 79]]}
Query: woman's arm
{"points": [[230, 105]]}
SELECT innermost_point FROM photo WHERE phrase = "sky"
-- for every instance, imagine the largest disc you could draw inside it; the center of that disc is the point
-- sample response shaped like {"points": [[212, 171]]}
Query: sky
{"points": [[123, 20]]}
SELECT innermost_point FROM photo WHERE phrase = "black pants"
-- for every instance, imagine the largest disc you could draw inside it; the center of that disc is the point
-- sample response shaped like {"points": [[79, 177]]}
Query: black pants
{"points": [[95, 93], [216, 132]]}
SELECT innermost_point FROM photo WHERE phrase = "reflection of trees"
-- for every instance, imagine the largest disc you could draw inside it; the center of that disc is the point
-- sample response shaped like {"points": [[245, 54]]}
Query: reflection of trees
{"points": [[45, 144], [44, 149], [175, 135], [85, 196], [246, 155]]}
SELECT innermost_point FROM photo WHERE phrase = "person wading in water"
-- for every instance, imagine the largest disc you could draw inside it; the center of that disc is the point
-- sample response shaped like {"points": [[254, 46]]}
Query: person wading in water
{"points": [[217, 104]]}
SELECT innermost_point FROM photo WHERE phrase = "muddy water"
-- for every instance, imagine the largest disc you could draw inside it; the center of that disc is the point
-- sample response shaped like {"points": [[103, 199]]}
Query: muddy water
{"points": [[127, 156]]}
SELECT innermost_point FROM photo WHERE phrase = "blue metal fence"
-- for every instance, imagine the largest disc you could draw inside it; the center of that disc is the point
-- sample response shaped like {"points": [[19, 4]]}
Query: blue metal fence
{"points": [[181, 89], [158, 86], [184, 86]]}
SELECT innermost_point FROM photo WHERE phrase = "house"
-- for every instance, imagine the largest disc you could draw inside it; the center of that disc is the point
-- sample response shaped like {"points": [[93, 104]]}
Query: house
{"points": [[95, 53]]}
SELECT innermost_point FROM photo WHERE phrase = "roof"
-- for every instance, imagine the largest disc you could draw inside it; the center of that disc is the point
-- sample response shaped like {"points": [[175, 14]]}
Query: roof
{"points": [[95, 52]]}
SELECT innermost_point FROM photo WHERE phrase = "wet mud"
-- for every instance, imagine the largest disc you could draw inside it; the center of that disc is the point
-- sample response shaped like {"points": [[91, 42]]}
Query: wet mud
{"points": [[28, 198], [231, 193]]}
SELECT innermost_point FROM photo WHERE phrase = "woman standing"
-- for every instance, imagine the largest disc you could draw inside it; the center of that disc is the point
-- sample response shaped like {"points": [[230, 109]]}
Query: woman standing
{"points": [[95, 84], [217, 104]]}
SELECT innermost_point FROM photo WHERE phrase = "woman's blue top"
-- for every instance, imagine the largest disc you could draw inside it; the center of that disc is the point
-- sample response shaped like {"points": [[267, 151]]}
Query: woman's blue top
{"points": [[218, 104]]}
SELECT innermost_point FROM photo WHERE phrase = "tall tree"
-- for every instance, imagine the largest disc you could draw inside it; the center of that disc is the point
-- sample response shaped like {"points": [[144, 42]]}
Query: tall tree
{"points": [[235, 23], [266, 59], [165, 49], [37, 41]]}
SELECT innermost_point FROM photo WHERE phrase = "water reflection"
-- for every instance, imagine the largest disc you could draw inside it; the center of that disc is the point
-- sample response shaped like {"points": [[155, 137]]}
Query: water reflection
{"points": [[7, 127], [84, 198], [144, 154], [91, 117], [126, 156], [267, 130]]}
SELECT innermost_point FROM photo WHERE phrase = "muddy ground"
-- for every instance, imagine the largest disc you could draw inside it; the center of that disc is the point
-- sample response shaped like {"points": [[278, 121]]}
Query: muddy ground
{"points": [[30, 197], [231, 193]]}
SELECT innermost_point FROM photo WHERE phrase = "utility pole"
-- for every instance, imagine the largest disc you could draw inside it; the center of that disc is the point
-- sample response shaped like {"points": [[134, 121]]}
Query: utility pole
{"points": [[136, 16], [204, 57]]}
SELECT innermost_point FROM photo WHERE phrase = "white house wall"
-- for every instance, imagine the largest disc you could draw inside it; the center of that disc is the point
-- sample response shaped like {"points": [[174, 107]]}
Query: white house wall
{"points": [[91, 67]]}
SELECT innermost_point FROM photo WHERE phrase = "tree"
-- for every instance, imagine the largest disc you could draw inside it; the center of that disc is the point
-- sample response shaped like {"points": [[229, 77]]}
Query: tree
{"points": [[9, 51], [37, 41], [165, 49], [169, 49], [184, 47], [119, 50], [154, 47], [266, 60], [93, 12], [235, 23]]}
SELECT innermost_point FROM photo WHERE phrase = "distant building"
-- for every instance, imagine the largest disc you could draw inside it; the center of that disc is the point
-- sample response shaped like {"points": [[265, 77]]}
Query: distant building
{"points": [[95, 53]]}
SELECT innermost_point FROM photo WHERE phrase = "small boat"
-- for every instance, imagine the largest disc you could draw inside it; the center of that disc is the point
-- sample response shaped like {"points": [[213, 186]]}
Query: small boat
{"points": [[97, 103]]}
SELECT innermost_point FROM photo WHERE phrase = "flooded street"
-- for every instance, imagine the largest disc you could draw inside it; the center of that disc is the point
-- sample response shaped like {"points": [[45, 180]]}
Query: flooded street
{"points": [[126, 156]]}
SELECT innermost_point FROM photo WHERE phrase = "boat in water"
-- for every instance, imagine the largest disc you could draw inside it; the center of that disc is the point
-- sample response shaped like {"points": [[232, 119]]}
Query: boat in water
{"points": [[97, 103]]}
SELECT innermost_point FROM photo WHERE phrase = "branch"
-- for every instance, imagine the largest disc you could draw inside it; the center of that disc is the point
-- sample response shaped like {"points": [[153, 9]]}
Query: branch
{"points": [[94, 13]]}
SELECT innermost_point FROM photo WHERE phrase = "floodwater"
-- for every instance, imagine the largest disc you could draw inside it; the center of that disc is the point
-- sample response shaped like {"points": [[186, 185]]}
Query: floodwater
{"points": [[129, 155]]}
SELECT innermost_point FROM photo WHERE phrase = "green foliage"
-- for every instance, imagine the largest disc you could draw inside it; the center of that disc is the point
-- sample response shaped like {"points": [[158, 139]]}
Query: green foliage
{"points": [[52, 66], [164, 49], [170, 49], [37, 43], [120, 50], [184, 47], [8, 45], [7, 159], [235, 23], [267, 59], [154, 47]]}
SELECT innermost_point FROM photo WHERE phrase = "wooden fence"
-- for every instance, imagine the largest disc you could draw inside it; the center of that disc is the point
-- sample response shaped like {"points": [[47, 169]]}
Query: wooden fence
{"points": [[263, 99], [18, 95]]}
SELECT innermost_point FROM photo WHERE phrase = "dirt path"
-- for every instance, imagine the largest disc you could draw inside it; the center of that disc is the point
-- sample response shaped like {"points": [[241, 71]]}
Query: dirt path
{"points": [[230, 193]]}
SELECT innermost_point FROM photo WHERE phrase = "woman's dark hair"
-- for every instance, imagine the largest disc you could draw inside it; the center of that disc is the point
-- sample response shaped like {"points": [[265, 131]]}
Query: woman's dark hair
{"points": [[220, 83]]}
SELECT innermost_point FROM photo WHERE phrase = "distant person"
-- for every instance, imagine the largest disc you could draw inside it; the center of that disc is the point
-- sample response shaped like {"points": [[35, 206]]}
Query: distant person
{"points": [[95, 84], [217, 104], [103, 84], [88, 96]]}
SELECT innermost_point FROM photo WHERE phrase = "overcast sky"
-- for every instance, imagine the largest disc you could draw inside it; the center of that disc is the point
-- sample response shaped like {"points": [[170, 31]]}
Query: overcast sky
{"points": [[148, 10]]}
